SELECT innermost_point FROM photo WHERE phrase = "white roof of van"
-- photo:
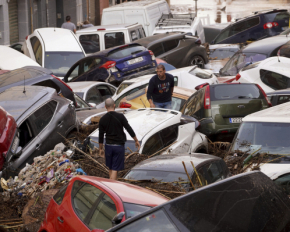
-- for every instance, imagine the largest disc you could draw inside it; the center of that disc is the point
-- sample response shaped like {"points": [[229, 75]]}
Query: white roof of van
{"points": [[59, 39], [134, 5], [279, 113], [107, 27], [11, 59]]}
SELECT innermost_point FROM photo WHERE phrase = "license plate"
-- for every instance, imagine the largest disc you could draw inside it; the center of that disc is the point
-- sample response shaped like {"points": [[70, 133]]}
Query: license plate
{"points": [[134, 61], [236, 120], [15, 144]]}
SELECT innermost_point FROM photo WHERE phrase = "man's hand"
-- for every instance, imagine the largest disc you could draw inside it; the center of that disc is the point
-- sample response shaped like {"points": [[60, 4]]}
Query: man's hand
{"points": [[137, 144], [101, 153], [152, 105]]}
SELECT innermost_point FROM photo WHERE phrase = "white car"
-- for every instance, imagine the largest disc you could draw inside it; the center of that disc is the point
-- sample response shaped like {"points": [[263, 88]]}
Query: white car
{"points": [[157, 129], [93, 91], [56, 49], [271, 74], [188, 77], [11, 59]]}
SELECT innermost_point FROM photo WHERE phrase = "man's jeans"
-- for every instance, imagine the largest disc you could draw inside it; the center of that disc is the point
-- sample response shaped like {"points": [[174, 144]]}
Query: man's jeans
{"points": [[164, 105]]}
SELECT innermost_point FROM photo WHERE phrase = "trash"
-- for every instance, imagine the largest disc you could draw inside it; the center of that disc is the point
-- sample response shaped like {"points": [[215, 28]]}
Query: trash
{"points": [[81, 171]]}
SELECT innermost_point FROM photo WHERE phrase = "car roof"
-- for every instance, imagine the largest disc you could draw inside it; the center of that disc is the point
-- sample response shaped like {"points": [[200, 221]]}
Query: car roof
{"points": [[129, 193], [279, 92], [153, 39], [173, 162], [14, 59], [16, 102], [134, 5], [276, 64], [112, 27], [279, 113], [258, 13], [59, 39], [82, 86]]}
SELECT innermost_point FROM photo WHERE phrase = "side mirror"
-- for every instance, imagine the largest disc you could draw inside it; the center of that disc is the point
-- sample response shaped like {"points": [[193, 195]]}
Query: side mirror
{"points": [[118, 218], [205, 121], [18, 151], [93, 105]]}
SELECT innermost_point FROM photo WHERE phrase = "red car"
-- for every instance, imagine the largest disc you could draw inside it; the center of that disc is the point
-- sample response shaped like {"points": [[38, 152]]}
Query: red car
{"points": [[7, 131], [91, 203]]}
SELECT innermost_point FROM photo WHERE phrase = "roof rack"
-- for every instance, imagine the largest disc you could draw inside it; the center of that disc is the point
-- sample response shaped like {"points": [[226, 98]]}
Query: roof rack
{"points": [[175, 19]]}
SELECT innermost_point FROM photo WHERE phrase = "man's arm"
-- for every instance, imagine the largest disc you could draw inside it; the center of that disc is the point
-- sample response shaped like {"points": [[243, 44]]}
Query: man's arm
{"points": [[149, 93], [101, 137], [75, 29]]}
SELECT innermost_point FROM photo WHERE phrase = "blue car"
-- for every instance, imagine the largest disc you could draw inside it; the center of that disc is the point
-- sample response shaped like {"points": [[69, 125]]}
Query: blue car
{"points": [[259, 25], [113, 65]]}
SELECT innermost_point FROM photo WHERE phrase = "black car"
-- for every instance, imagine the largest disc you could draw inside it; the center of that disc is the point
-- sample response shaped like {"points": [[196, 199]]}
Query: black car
{"points": [[245, 202], [169, 168], [33, 75], [177, 49], [279, 97], [259, 25], [254, 52]]}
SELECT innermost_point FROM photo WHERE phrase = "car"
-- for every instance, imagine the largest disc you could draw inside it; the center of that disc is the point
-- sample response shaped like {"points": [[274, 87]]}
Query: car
{"points": [[93, 91], [211, 31], [259, 25], [8, 128], [254, 52], [43, 120], [242, 202], [169, 168], [189, 77], [98, 38], [284, 50], [32, 75], [271, 74], [220, 108], [53, 48], [158, 129], [96, 204], [11, 59], [219, 55], [169, 46], [113, 65], [279, 96], [188, 23], [17, 46], [139, 99]]}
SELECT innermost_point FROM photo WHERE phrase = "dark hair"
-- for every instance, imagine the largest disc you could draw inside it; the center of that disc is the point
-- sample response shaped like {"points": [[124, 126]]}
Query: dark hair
{"points": [[67, 18], [159, 66]]}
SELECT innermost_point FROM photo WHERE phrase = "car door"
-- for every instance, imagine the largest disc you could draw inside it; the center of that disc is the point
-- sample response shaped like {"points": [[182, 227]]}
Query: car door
{"points": [[171, 52], [93, 96], [157, 49]]}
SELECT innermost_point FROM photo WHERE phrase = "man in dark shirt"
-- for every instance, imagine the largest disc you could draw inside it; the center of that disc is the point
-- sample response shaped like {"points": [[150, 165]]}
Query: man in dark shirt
{"points": [[112, 124], [160, 89]]}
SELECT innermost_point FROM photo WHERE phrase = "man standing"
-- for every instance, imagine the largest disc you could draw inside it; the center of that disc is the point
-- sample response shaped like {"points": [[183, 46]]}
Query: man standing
{"points": [[112, 123], [69, 25], [160, 89]]}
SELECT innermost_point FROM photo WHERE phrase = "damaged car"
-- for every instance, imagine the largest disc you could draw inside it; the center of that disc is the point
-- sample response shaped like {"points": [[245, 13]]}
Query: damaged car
{"points": [[162, 130], [43, 120]]}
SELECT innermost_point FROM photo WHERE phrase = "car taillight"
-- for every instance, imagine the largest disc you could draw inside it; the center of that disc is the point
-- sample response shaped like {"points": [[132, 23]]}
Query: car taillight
{"points": [[263, 92], [198, 41], [124, 105], [207, 98], [152, 55], [201, 86], [62, 82], [270, 25], [101, 29], [108, 64], [238, 76], [278, 53], [26, 37]]}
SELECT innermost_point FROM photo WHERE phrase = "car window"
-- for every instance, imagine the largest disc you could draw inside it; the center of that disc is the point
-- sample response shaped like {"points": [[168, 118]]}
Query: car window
{"points": [[114, 39], [200, 73], [43, 115], [144, 33], [283, 99], [156, 221], [133, 35], [123, 86], [153, 144], [90, 43], [177, 103], [141, 33], [49, 83], [125, 51], [169, 135], [74, 72], [80, 102], [170, 44], [157, 49], [113, 90], [274, 80], [104, 91], [133, 209], [91, 63], [214, 172], [103, 215], [26, 133], [194, 105], [58, 197], [37, 49], [284, 182], [94, 96], [175, 80], [83, 198]]}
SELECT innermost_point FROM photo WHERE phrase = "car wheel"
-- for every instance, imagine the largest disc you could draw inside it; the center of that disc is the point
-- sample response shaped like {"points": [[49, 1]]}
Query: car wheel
{"points": [[72, 138], [196, 60]]}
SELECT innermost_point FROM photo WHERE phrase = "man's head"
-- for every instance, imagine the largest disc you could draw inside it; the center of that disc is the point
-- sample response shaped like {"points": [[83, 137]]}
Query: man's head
{"points": [[110, 104], [86, 22], [160, 71], [67, 18]]}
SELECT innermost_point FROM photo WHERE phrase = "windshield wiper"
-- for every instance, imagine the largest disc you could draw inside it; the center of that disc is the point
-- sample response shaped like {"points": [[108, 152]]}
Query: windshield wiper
{"points": [[136, 52]]}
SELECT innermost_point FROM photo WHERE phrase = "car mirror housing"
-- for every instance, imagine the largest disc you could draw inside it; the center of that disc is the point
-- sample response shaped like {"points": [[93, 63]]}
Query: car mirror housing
{"points": [[118, 218], [204, 121]]}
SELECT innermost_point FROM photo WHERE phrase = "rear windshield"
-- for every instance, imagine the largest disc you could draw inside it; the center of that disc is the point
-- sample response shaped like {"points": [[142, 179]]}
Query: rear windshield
{"points": [[222, 53], [123, 52], [136, 94], [123, 86], [200, 73], [235, 91], [278, 16], [251, 66]]}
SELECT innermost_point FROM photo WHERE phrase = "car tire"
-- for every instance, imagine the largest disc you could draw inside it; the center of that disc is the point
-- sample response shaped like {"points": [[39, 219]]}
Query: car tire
{"points": [[196, 60], [72, 137]]}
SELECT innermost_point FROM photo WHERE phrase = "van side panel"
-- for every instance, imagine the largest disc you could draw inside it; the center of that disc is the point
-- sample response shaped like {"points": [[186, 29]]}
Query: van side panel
{"points": [[113, 17], [153, 14], [135, 16], [164, 8]]}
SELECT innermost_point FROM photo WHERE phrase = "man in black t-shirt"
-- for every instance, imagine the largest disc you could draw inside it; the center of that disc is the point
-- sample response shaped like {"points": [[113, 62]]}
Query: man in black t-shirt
{"points": [[112, 124], [160, 89]]}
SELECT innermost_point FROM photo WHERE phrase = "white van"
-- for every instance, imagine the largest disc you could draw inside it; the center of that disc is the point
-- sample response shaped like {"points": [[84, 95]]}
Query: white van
{"points": [[145, 12], [98, 38]]}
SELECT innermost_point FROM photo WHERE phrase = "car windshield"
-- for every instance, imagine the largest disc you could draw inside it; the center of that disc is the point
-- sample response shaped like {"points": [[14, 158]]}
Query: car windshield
{"points": [[222, 53], [133, 209], [240, 60], [203, 74], [80, 94], [126, 50], [80, 102], [123, 86], [60, 62], [267, 137]]}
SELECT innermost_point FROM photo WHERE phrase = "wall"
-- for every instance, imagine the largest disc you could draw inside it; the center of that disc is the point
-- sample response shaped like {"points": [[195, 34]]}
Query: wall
{"points": [[23, 19], [4, 23]]}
